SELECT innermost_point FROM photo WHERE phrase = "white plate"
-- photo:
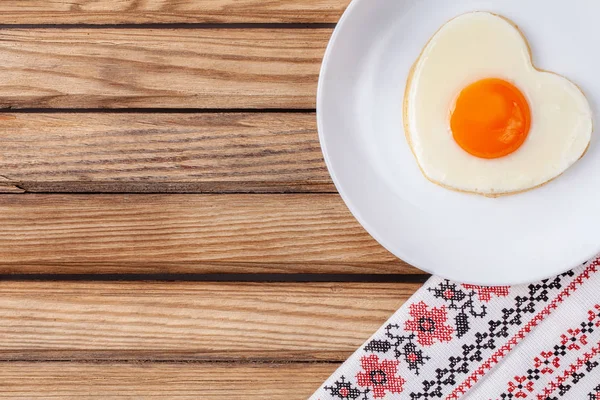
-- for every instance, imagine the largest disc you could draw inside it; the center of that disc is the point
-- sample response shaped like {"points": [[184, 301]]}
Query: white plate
{"points": [[465, 237]]}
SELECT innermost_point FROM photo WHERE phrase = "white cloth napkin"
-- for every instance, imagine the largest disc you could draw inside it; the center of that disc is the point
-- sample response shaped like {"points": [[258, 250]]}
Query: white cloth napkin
{"points": [[454, 341]]}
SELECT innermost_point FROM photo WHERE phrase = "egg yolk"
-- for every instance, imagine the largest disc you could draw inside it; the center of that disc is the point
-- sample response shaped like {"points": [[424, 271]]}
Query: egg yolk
{"points": [[491, 118]]}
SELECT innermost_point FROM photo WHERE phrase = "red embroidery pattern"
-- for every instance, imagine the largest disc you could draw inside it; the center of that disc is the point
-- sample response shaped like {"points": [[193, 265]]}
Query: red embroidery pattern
{"points": [[391, 363], [574, 339], [548, 360], [429, 324], [486, 292], [461, 301], [380, 376], [574, 379], [569, 372], [342, 389], [507, 347], [595, 394], [520, 387]]}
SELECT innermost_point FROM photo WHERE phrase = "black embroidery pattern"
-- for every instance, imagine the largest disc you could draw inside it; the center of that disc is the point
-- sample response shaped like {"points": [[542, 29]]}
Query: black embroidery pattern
{"points": [[406, 343], [342, 389], [538, 294], [595, 394], [574, 379], [547, 362], [463, 303], [405, 348]]}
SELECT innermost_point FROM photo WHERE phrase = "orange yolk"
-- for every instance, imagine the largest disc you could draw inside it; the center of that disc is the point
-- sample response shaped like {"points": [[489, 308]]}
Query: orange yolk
{"points": [[491, 118]]}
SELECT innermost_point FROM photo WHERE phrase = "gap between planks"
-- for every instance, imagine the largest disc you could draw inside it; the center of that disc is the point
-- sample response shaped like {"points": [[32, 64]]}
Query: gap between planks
{"points": [[197, 26], [409, 276]]}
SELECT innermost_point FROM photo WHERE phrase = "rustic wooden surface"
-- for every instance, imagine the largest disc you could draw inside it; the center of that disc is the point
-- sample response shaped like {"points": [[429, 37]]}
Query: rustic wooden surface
{"points": [[169, 11], [231, 381], [168, 225], [286, 321], [173, 68], [189, 153]]}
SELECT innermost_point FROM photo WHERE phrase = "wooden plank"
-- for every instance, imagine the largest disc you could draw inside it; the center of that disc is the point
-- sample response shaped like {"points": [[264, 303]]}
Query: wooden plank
{"points": [[169, 68], [160, 381], [221, 230], [147, 152], [192, 321], [162, 11]]}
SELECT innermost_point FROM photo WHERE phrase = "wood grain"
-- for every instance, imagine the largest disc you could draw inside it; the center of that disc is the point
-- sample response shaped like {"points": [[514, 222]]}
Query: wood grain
{"points": [[192, 321], [165, 11], [160, 381], [138, 230], [168, 68], [158, 152]]}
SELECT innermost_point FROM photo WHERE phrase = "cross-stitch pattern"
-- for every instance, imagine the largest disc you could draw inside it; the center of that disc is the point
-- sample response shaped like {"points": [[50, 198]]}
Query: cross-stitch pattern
{"points": [[450, 337]]}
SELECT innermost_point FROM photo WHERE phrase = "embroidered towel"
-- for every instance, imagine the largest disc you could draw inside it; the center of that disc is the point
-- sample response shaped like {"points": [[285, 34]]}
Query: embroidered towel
{"points": [[456, 341]]}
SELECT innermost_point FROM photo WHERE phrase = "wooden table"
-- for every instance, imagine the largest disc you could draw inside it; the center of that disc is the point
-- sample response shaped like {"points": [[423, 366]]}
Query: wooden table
{"points": [[168, 226]]}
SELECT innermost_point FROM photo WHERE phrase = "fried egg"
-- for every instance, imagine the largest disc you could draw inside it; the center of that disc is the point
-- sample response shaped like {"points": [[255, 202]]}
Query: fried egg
{"points": [[480, 118]]}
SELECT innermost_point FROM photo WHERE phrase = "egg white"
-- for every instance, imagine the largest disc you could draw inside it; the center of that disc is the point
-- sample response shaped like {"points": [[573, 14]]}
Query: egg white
{"points": [[482, 45]]}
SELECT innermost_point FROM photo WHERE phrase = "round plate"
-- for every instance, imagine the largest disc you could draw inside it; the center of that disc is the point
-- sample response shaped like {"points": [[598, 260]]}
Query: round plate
{"points": [[469, 238]]}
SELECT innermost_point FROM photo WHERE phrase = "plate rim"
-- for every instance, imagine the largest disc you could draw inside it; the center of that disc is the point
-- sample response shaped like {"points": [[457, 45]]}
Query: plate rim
{"points": [[351, 206]]}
